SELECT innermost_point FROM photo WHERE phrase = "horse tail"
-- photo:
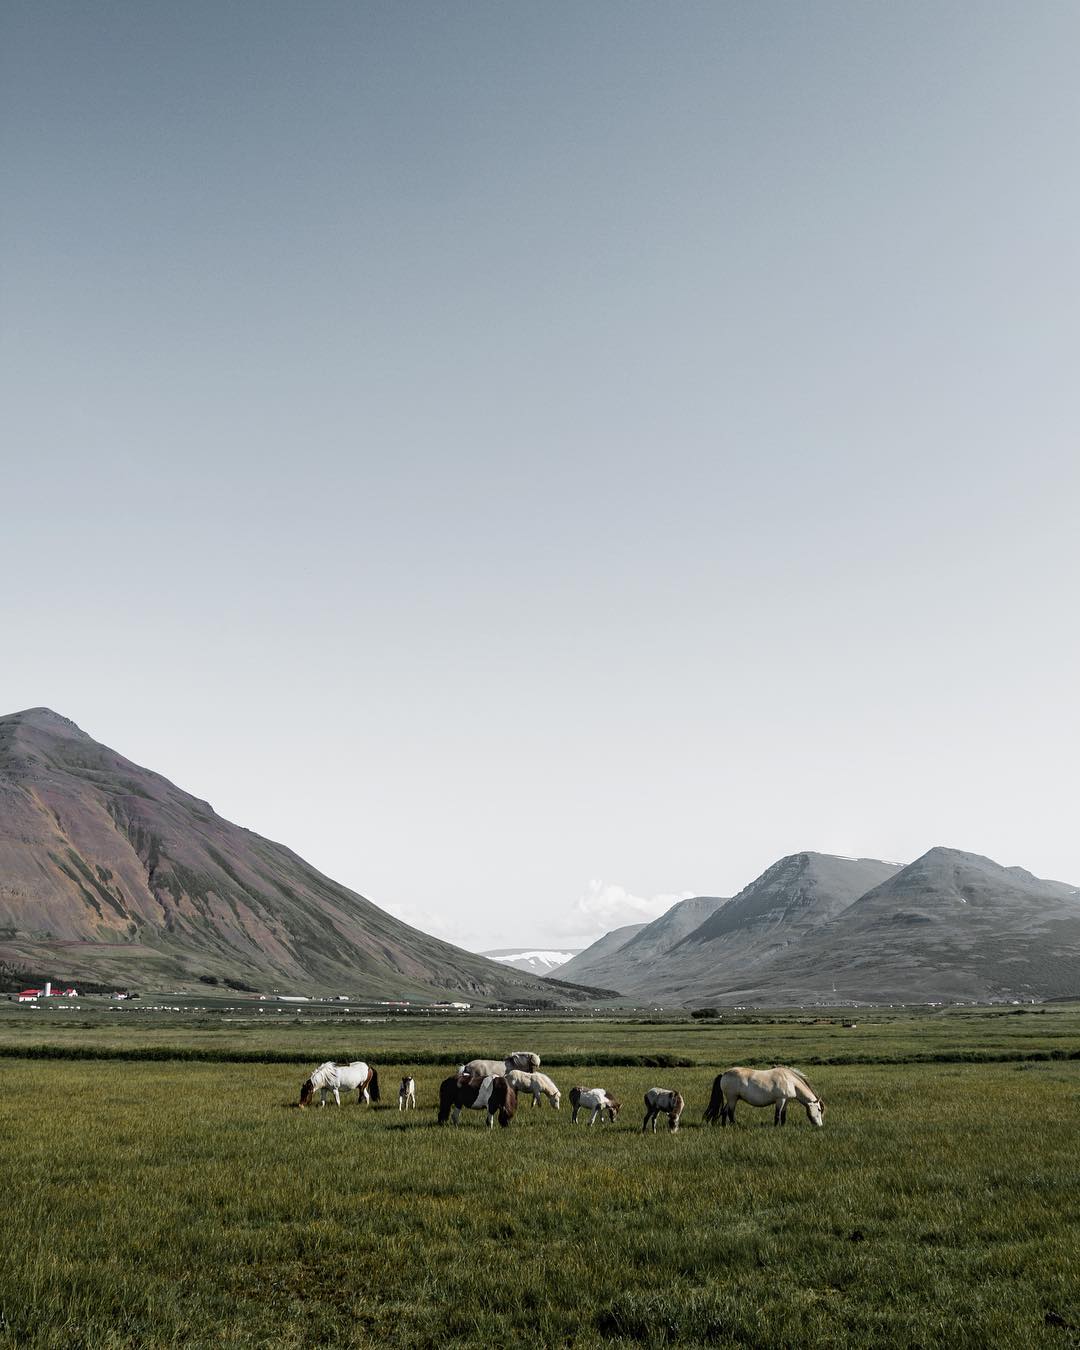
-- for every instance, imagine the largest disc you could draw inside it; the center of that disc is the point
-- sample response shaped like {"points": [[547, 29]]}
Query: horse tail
{"points": [[373, 1085], [508, 1106], [716, 1101]]}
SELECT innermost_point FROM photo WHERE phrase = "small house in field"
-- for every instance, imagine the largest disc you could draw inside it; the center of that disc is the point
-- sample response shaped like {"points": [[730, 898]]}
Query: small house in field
{"points": [[28, 995]]}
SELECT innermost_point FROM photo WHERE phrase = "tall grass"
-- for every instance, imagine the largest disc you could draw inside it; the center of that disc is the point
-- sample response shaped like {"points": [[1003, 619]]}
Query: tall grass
{"points": [[190, 1204]]}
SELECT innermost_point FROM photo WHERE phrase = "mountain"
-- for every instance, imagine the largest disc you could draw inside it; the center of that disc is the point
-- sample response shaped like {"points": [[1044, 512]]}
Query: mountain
{"points": [[951, 925], [815, 928], [767, 920], [532, 962], [581, 966], [627, 965], [109, 872]]}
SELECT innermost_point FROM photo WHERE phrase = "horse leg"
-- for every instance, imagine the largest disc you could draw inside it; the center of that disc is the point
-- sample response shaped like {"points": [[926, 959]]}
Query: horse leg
{"points": [[598, 1111], [491, 1120]]}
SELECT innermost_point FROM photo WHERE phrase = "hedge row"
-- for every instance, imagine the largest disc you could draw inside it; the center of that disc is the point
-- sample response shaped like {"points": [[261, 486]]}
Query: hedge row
{"points": [[555, 1061]]}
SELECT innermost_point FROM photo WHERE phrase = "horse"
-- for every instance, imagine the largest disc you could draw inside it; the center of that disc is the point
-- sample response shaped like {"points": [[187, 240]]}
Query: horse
{"points": [[339, 1078], [662, 1099], [522, 1060], [596, 1099], [538, 1084], [406, 1096], [759, 1087], [491, 1094]]}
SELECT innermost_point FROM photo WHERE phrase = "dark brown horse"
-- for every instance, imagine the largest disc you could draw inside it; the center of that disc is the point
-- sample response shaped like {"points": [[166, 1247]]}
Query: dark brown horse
{"points": [[492, 1094]]}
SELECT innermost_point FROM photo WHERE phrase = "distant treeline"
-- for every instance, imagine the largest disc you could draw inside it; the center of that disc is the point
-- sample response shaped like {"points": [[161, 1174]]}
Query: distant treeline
{"points": [[14, 978], [586, 1059]]}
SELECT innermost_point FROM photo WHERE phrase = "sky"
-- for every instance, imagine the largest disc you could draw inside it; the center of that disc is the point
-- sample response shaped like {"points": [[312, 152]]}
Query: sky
{"points": [[541, 461]]}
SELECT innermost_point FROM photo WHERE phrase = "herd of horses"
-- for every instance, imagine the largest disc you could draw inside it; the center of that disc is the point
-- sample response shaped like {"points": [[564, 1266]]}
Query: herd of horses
{"points": [[495, 1085]]}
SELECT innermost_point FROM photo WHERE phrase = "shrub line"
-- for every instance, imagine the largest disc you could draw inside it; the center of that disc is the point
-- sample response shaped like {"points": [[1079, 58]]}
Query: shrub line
{"points": [[555, 1061]]}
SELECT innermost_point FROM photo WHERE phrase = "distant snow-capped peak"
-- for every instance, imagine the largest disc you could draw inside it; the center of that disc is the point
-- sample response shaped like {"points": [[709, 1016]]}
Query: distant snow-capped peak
{"points": [[536, 961]]}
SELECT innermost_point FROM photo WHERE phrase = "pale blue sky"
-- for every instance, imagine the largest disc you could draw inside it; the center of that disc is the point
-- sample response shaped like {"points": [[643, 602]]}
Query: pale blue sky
{"points": [[494, 448]]}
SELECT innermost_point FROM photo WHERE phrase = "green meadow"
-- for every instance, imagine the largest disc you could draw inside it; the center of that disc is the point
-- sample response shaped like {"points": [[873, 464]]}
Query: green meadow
{"points": [[179, 1202]]}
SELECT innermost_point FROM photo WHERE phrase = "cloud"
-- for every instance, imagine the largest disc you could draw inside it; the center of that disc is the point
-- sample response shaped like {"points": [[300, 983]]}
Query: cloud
{"points": [[605, 905], [428, 921]]}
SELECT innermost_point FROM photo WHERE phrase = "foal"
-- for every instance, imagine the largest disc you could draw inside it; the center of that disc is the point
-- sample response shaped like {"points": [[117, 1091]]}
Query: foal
{"points": [[664, 1100], [597, 1100], [406, 1096]]}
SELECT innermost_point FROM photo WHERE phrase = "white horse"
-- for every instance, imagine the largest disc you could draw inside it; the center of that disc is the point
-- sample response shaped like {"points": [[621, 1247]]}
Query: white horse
{"points": [[760, 1087], [539, 1085], [665, 1100], [522, 1060], [406, 1096], [338, 1078], [596, 1099]]}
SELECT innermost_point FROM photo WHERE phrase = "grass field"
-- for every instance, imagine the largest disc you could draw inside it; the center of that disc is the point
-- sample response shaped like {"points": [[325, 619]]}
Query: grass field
{"points": [[189, 1204]]}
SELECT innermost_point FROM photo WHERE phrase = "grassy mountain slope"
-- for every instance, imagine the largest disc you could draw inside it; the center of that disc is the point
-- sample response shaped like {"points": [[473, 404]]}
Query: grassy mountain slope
{"points": [[950, 925], [768, 918], [627, 966], [584, 965], [108, 871]]}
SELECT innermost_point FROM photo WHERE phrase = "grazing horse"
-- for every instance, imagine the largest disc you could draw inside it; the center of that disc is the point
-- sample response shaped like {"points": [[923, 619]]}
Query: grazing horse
{"points": [[491, 1094], [522, 1060], [759, 1087], [406, 1095], [539, 1085], [597, 1100], [339, 1078], [665, 1100]]}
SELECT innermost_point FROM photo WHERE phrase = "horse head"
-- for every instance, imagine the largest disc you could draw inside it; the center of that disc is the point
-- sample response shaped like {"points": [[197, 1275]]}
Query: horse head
{"points": [[613, 1108], [448, 1092], [306, 1092], [676, 1111], [816, 1112]]}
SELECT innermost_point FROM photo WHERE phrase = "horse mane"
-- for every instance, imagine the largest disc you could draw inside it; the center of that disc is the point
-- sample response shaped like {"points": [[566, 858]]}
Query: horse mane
{"points": [[802, 1080]]}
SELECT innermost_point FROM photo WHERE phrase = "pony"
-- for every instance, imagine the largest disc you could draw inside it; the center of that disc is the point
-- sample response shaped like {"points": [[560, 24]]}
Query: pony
{"points": [[538, 1084], [339, 1078], [491, 1094], [522, 1060], [662, 1099], [759, 1087], [596, 1099], [406, 1096]]}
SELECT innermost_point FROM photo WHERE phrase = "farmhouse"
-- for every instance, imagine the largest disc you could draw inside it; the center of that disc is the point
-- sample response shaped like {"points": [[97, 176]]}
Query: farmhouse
{"points": [[28, 995]]}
